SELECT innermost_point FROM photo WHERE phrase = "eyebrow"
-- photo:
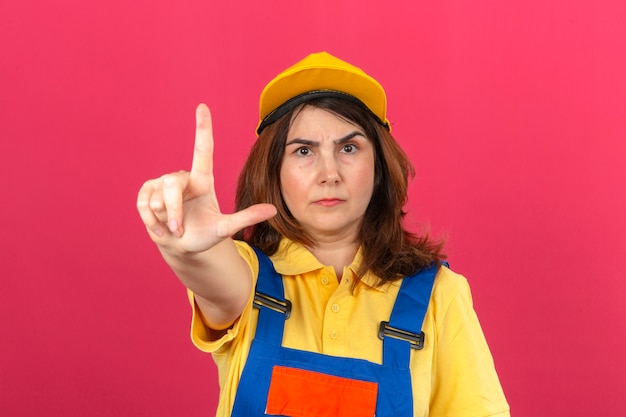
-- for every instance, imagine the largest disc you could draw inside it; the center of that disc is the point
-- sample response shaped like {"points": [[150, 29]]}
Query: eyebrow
{"points": [[301, 141]]}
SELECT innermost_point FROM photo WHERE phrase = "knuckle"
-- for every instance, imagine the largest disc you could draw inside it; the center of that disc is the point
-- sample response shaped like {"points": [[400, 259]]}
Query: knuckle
{"points": [[146, 185], [174, 179], [156, 204], [169, 180], [142, 204]]}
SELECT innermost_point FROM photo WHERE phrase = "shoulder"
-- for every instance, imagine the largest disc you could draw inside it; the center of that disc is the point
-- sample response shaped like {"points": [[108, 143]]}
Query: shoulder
{"points": [[245, 250], [249, 255], [451, 290], [448, 281]]}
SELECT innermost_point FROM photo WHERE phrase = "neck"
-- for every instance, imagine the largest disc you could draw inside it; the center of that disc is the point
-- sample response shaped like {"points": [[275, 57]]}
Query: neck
{"points": [[337, 254]]}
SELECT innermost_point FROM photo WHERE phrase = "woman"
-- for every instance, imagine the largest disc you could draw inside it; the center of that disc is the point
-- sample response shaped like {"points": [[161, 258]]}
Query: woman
{"points": [[322, 304]]}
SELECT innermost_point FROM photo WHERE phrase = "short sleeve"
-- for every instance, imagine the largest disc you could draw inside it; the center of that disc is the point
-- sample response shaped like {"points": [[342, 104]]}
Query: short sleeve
{"points": [[201, 335], [465, 382]]}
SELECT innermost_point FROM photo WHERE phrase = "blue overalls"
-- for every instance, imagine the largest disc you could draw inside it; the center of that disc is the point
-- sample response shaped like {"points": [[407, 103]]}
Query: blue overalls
{"points": [[283, 381]]}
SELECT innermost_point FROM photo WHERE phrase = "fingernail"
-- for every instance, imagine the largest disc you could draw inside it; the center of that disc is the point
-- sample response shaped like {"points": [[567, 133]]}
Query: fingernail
{"points": [[173, 226], [158, 231]]}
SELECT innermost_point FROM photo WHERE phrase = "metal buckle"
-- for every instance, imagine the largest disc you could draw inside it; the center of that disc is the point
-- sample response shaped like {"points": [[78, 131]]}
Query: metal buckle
{"points": [[416, 340], [262, 300]]}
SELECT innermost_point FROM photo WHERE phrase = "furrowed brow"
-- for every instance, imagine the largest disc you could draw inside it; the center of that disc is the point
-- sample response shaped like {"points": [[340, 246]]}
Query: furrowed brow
{"points": [[299, 141], [313, 143], [348, 137]]}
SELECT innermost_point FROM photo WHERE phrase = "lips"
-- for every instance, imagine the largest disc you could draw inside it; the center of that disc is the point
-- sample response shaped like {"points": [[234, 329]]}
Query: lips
{"points": [[329, 202]]}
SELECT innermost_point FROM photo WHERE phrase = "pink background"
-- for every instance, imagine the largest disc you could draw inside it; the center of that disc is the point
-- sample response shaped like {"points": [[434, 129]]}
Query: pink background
{"points": [[514, 113]]}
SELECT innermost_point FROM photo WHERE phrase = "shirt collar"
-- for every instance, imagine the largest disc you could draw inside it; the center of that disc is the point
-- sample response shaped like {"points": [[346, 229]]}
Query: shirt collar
{"points": [[293, 258]]}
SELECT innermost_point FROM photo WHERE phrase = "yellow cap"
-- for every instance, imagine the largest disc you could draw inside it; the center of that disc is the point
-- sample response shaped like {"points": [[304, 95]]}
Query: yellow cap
{"points": [[320, 74]]}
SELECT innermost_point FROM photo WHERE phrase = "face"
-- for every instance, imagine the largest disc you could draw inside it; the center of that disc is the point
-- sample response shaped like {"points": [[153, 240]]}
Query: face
{"points": [[327, 174]]}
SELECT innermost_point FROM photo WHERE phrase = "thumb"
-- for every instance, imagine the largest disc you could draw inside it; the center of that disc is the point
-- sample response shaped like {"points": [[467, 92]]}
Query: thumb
{"points": [[232, 223]]}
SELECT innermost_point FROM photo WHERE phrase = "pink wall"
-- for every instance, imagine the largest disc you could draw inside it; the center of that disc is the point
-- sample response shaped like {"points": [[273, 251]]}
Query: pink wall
{"points": [[513, 111]]}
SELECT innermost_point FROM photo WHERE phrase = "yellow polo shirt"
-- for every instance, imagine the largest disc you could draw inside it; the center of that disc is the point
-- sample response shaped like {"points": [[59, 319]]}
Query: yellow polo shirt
{"points": [[453, 375]]}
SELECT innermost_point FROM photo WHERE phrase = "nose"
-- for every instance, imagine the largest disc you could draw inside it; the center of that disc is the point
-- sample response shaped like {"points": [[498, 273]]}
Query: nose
{"points": [[328, 170]]}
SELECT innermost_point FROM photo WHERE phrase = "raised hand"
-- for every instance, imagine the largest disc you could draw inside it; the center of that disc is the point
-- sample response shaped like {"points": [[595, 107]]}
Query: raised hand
{"points": [[180, 210]]}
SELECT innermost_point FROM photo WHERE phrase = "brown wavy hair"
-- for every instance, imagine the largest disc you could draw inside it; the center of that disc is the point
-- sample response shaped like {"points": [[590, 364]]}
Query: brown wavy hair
{"points": [[389, 250]]}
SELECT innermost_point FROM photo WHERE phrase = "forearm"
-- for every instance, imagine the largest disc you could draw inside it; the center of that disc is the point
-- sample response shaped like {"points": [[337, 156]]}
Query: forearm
{"points": [[219, 278]]}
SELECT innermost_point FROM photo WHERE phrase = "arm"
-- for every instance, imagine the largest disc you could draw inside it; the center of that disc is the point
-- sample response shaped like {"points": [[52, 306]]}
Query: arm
{"points": [[465, 381], [182, 216]]}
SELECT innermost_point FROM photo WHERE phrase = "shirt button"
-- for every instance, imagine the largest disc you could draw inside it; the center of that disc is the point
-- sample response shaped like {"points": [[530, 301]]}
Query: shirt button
{"points": [[334, 334], [324, 281], [334, 308]]}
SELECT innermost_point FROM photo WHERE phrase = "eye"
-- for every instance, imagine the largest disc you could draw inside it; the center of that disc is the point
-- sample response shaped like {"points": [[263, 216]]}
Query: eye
{"points": [[349, 148], [303, 151]]}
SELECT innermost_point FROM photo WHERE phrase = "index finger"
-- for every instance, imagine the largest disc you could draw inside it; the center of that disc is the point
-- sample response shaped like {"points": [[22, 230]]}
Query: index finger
{"points": [[202, 164]]}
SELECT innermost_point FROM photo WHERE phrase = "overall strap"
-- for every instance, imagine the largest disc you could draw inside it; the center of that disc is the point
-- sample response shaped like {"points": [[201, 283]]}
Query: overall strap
{"points": [[404, 329], [269, 298]]}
